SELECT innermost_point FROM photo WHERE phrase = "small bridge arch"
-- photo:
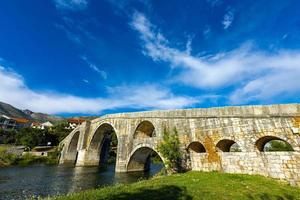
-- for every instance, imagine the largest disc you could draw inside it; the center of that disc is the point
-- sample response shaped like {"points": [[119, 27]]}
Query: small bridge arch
{"points": [[145, 129]]}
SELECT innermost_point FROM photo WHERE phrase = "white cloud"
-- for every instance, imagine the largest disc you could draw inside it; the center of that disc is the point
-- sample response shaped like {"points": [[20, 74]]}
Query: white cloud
{"points": [[254, 72], [102, 73], [71, 4], [228, 19], [13, 90]]}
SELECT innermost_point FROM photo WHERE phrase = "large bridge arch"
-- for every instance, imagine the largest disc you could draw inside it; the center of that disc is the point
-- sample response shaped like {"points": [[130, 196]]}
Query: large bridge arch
{"points": [[70, 148], [99, 143], [139, 158]]}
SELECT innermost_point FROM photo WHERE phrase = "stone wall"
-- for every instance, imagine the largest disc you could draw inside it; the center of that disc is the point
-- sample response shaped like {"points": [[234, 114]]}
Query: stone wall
{"points": [[216, 129], [281, 165]]}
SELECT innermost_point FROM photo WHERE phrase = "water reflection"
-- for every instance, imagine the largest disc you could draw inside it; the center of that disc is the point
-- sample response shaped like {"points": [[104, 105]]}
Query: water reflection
{"points": [[24, 182]]}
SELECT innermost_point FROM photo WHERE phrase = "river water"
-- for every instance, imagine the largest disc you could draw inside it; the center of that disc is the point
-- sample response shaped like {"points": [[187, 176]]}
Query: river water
{"points": [[42, 180]]}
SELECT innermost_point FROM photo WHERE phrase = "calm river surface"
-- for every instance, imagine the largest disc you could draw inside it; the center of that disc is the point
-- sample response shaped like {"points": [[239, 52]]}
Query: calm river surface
{"points": [[24, 182]]}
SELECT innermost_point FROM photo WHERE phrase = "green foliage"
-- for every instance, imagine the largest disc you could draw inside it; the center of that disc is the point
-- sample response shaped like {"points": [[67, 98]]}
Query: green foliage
{"points": [[278, 145], [31, 137], [194, 185], [60, 130], [170, 150]]}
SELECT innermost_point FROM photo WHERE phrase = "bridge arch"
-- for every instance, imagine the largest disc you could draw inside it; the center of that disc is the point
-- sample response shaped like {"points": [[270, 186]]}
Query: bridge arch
{"points": [[144, 129], [139, 159], [70, 149], [99, 144], [261, 143], [196, 147], [228, 145]]}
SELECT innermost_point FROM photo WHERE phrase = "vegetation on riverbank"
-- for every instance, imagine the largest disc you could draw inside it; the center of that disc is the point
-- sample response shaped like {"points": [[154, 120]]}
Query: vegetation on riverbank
{"points": [[194, 185], [7, 158], [31, 137]]}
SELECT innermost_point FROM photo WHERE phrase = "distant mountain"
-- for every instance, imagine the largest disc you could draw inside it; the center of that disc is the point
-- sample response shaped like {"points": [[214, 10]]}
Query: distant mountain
{"points": [[9, 110], [41, 117]]}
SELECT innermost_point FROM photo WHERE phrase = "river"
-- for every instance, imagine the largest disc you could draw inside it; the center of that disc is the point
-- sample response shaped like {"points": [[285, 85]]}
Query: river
{"points": [[41, 180]]}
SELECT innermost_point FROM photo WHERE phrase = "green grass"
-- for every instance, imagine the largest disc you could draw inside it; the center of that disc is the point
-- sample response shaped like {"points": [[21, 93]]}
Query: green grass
{"points": [[195, 185]]}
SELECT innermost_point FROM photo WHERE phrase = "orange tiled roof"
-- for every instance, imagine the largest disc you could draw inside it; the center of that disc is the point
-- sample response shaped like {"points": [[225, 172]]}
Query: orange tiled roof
{"points": [[35, 124], [76, 120], [21, 120]]}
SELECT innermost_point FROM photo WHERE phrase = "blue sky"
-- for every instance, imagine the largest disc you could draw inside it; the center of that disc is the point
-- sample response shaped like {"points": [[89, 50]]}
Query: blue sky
{"points": [[92, 57]]}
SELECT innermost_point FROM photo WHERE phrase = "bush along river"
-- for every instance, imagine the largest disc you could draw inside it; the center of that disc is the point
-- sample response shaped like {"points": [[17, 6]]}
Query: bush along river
{"points": [[46, 180]]}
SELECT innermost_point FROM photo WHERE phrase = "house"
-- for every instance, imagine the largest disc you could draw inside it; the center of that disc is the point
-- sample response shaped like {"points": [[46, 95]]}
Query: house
{"points": [[45, 125], [35, 125], [7, 122], [74, 122]]}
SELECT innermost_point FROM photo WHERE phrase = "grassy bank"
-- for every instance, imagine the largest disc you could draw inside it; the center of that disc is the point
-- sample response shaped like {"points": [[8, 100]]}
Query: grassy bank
{"points": [[195, 185], [8, 159]]}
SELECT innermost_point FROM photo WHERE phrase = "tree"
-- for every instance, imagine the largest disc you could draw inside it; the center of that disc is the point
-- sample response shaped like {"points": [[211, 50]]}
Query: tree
{"points": [[169, 148]]}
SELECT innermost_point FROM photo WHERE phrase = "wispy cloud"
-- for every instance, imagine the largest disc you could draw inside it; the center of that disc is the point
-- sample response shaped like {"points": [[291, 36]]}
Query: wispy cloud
{"points": [[76, 31], [94, 67], [71, 4], [214, 2], [74, 37], [254, 72], [206, 32], [228, 19], [85, 81], [13, 90]]}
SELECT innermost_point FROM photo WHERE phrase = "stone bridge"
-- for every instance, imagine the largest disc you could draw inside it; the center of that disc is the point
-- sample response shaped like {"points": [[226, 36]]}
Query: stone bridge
{"points": [[207, 137]]}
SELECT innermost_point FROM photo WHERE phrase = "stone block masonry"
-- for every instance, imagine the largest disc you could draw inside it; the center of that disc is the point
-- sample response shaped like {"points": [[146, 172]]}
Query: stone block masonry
{"points": [[206, 138]]}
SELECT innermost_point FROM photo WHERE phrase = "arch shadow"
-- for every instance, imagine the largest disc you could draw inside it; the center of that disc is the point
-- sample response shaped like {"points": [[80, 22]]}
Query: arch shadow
{"points": [[196, 147], [140, 159], [100, 143], [145, 129], [227, 145]]}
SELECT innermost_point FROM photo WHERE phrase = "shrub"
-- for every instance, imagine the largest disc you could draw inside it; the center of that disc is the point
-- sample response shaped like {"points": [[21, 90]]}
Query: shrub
{"points": [[170, 150]]}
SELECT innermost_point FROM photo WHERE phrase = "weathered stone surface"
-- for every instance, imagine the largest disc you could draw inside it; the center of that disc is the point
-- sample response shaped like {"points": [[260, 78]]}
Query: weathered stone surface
{"points": [[250, 127]]}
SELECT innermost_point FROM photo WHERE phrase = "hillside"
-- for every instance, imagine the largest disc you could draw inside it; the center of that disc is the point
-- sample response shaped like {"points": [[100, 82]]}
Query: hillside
{"points": [[11, 111]]}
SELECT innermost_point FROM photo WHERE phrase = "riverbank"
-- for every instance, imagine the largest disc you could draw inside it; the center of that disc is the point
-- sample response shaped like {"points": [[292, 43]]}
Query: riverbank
{"points": [[194, 185], [8, 159]]}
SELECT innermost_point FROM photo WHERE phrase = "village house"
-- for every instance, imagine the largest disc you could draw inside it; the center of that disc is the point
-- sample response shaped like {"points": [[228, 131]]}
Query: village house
{"points": [[74, 122], [45, 125], [8, 123]]}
